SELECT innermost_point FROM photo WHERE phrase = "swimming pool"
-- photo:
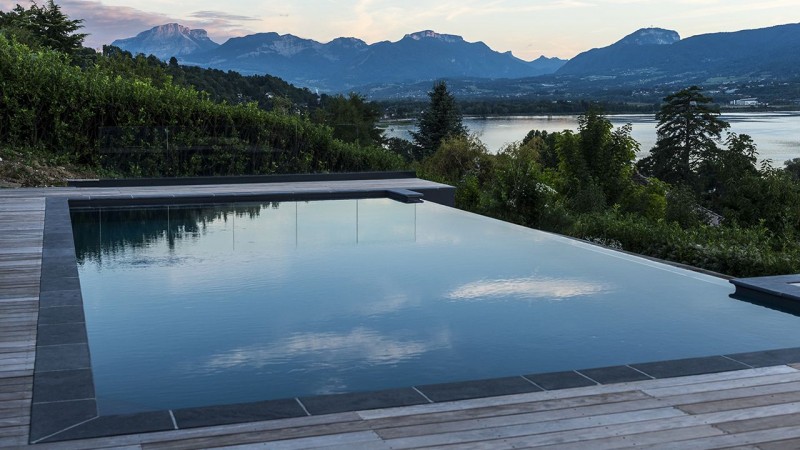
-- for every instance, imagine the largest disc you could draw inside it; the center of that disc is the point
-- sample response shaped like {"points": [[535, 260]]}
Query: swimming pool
{"points": [[190, 306]]}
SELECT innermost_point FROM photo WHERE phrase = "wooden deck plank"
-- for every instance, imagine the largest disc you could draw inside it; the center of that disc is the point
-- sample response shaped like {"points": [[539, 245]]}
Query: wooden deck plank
{"points": [[176, 437], [535, 436], [518, 419], [255, 437], [570, 426], [732, 394], [506, 410], [22, 387], [635, 440], [788, 444], [740, 403], [13, 441], [760, 423], [674, 425], [727, 440], [361, 439], [576, 392], [722, 385]]}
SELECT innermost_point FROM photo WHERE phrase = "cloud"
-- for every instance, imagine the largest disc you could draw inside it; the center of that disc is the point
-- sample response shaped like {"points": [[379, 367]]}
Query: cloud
{"points": [[352, 348], [220, 15], [105, 23], [525, 288]]}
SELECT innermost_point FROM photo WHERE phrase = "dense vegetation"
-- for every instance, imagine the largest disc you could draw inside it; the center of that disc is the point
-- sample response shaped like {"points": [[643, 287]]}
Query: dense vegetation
{"points": [[267, 91], [703, 202], [127, 116]]}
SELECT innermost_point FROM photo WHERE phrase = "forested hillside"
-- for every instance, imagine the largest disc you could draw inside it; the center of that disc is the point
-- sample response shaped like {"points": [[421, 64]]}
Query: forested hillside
{"points": [[267, 91], [125, 116]]}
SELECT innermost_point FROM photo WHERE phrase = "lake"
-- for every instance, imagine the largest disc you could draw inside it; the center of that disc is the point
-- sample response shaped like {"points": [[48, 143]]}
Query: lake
{"points": [[776, 134]]}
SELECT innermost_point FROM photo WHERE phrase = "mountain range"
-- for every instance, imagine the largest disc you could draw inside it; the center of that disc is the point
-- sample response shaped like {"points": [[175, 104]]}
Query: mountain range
{"points": [[654, 55], [341, 64], [648, 57]]}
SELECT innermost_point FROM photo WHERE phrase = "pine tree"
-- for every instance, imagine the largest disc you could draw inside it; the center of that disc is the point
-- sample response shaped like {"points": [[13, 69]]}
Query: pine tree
{"points": [[43, 26], [688, 133], [442, 119]]}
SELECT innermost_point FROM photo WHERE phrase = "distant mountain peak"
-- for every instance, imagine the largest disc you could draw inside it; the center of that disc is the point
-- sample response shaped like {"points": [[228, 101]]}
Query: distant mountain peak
{"points": [[349, 41], [651, 36], [165, 41], [430, 34]]}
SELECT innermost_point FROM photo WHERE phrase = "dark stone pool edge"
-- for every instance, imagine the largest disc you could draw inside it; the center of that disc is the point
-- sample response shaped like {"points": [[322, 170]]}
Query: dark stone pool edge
{"points": [[780, 292], [64, 406]]}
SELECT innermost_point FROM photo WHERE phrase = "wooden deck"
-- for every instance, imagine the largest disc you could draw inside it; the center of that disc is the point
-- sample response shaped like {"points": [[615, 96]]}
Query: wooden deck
{"points": [[746, 409], [21, 226]]}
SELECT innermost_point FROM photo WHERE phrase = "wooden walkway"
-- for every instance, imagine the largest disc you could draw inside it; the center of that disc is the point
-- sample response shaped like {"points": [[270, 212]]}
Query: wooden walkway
{"points": [[746, 409], [21, 226]]}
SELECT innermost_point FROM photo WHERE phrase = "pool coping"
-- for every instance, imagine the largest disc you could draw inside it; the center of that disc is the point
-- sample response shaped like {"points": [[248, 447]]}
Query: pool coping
{"points": [[64, 406]]}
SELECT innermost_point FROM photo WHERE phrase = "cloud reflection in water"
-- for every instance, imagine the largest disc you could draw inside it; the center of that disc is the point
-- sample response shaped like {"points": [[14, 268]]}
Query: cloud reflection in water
{"points": [[526, 288], [360, 345]]}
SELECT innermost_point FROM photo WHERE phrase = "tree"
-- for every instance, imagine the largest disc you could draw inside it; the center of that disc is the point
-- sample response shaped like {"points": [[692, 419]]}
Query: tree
{"points": [[722, 176], [545, 143], [596, 162], [352, 118], [688, 132], [461, 161], [518, 190], [44, 26], [442, 119], [792, 167]]}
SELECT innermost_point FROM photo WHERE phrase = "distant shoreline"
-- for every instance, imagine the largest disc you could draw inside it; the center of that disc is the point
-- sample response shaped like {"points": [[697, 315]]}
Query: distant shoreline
{"points": [[724, 111]]}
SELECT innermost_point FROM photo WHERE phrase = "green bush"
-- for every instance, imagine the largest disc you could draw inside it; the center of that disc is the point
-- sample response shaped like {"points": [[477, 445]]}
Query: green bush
{"points": [[731, 250], [93, 116]]}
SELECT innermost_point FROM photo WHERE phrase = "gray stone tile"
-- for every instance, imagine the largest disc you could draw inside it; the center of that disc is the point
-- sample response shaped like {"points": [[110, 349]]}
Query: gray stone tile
{"points": [[560, 380], [60, 298], [237, 413], [327, 404], [59, 283], [689, 366], [614, 374], [50, 418], [55, 236], [462, 390], [58, 226], [67, 333], [769, 357], [61, 314], [63, 385], [53, 251], [61, 261], [103, 426], [62, 357]]}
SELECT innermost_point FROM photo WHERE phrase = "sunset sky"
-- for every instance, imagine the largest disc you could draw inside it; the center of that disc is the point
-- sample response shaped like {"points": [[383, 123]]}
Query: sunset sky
{"points": [[528, 28]]}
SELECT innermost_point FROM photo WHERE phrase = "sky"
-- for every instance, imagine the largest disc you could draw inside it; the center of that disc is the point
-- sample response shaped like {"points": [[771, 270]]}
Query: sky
{"points": [[527, 28]]}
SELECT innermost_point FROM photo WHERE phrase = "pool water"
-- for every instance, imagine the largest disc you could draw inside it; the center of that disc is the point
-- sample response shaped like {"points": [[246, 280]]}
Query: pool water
{"points": [[218, 304]]}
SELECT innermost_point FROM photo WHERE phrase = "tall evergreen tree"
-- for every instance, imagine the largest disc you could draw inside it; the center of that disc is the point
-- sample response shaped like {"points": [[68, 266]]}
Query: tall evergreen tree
{"points": [[688, 132], [43, 26], [440, 120]]}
